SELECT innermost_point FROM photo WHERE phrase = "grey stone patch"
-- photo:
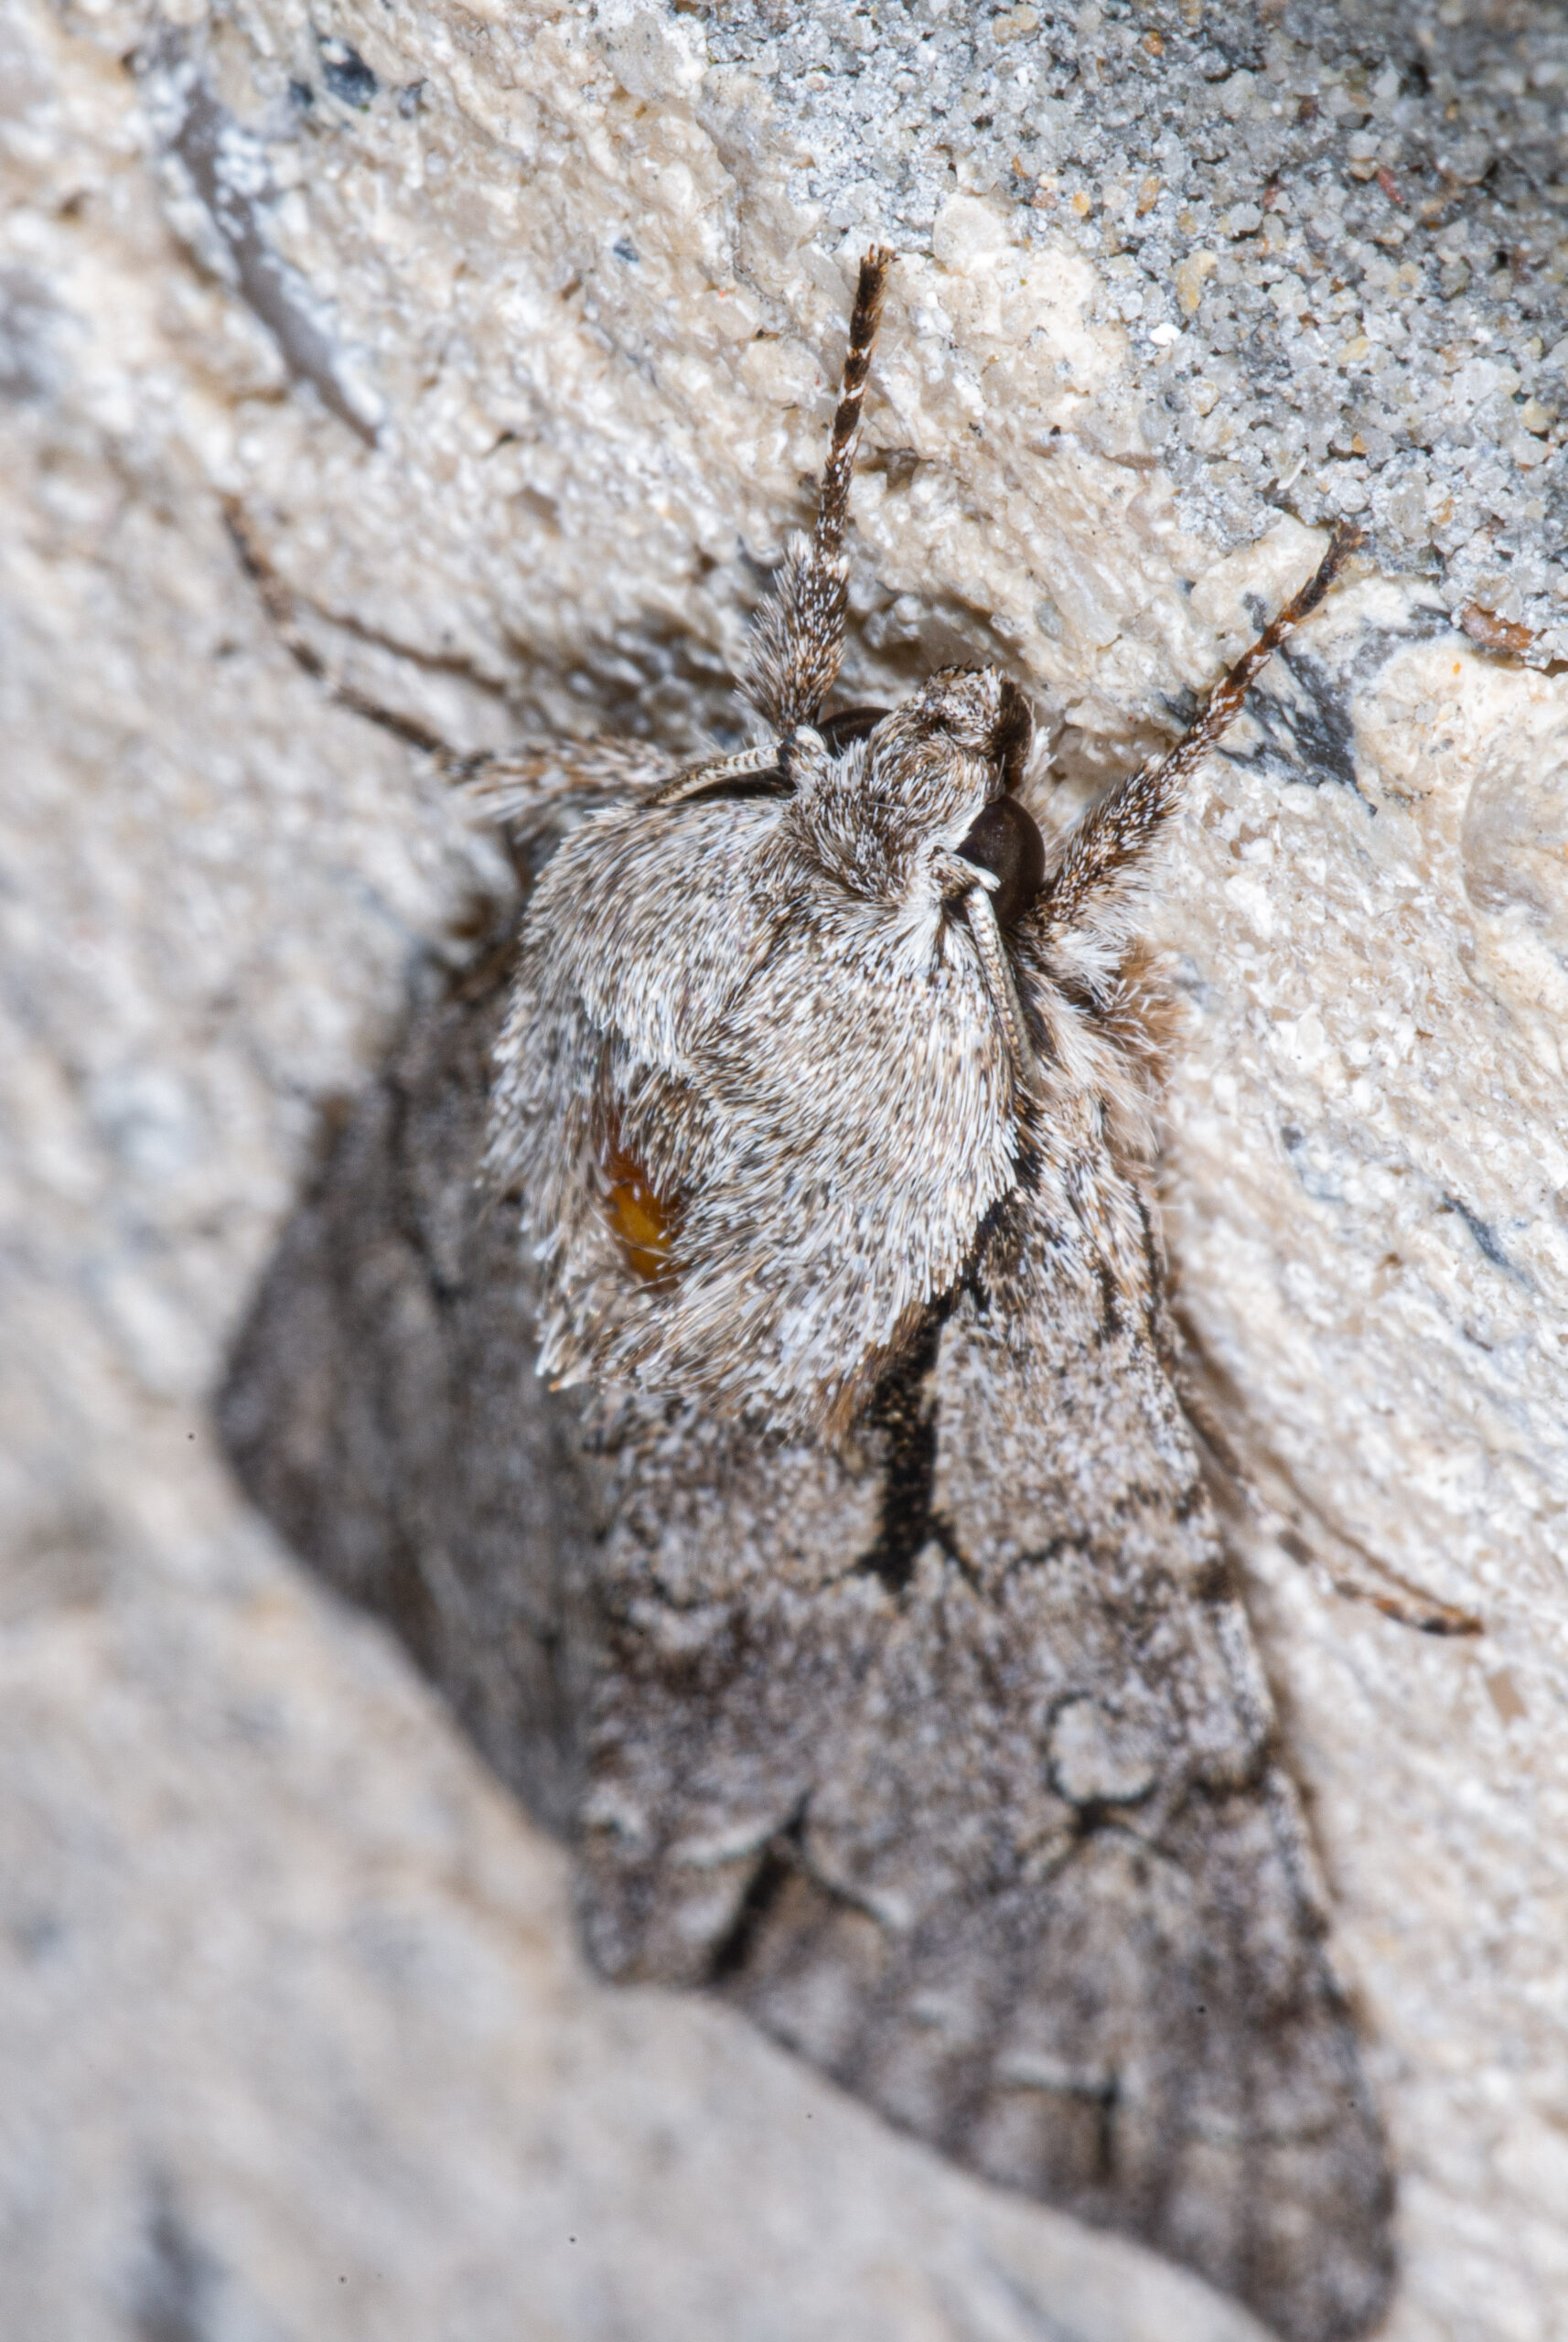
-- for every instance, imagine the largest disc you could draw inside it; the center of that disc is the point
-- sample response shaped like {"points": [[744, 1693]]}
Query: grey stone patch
{"points": [[29, 322], [227, 168], [1333, 235], [174, 2295], [346, 74]]}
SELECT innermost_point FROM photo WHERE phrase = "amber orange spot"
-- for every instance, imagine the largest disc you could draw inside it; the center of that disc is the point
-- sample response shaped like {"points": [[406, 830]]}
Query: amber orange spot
{"points": [[644, 1224]]}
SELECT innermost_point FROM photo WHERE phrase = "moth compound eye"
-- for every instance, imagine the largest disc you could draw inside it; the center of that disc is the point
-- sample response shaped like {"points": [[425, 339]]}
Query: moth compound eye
{"points": [[1013, 735], [850, 724], [643, 1223], [1006, 841]]}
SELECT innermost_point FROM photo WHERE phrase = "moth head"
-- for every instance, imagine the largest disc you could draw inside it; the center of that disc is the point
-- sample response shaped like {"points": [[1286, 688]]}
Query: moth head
{"points": [[888, 811]]}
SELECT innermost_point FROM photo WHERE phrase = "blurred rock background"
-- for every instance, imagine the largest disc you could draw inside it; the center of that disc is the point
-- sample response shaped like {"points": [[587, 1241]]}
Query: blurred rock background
{"points": [[513, 330]]}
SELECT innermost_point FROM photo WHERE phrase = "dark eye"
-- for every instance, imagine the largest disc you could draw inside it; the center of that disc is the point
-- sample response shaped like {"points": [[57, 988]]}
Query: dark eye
{"points": [[1006, 840], [849, 723]]}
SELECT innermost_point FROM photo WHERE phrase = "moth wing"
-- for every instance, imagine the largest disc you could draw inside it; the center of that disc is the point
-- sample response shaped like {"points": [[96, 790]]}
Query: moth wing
{"points": [[994, 1833]]}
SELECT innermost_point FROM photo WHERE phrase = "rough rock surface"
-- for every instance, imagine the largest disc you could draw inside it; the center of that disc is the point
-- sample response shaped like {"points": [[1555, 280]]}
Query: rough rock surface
{"points": [[511, 328]]}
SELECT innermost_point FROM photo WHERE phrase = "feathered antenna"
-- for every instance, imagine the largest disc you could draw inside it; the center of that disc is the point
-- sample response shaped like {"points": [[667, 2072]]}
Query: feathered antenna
{"points": [[797, 640]]}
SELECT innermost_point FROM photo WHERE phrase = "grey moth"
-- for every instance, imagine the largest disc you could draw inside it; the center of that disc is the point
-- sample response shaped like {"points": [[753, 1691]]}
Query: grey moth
{"points": [[844, 1583]]}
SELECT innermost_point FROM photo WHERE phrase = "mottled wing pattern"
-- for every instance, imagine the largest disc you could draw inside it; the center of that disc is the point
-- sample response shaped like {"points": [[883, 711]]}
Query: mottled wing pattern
{"points": [[955, 1767]]}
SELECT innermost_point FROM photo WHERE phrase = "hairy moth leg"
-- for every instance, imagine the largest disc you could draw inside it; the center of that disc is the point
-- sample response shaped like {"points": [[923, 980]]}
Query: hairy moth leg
{"points": [[1101, 872], [1383, 1589]]}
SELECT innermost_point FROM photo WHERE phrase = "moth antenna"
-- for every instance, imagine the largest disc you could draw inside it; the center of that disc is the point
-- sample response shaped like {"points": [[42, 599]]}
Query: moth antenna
{"points": [[832, 505], [282, 607], [1107, 847], [797, 641]]}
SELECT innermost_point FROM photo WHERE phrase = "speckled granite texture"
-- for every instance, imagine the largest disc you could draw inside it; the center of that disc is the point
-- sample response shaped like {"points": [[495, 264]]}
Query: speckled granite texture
{"points": [[512, 328], [1334, 240]]}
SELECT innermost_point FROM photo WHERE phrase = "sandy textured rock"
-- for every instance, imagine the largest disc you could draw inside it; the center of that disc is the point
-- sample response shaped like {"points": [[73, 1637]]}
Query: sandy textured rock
{"points": [[512, 329]]}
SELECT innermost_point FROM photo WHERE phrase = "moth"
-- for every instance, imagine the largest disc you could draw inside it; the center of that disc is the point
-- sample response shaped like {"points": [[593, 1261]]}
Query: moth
{"points": [[848, 1588]]}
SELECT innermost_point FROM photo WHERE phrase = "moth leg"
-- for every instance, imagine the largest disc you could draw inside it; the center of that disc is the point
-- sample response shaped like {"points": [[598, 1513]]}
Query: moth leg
{"points": [[1406, 1605], [797, 640], [1395, 1597], [527, 791], [281, 606], [1091, 884]]}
